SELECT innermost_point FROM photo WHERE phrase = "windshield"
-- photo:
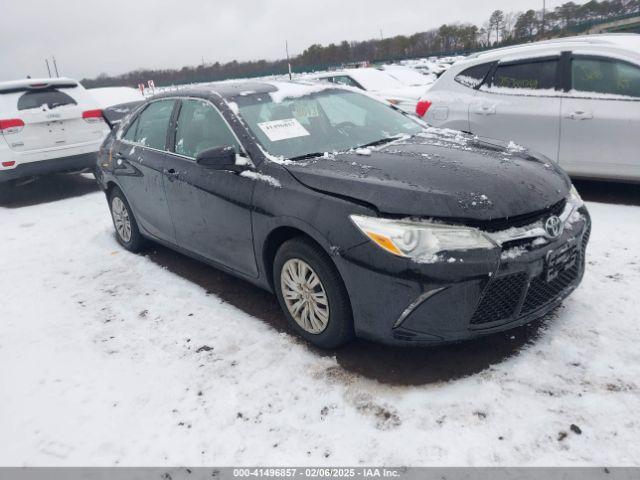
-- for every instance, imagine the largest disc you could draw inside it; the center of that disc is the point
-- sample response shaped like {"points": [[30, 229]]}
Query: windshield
{"points": [[326, 121]]}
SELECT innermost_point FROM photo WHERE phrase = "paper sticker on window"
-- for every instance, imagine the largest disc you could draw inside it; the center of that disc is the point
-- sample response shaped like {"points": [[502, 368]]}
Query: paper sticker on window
{"points": [[283, 129]]}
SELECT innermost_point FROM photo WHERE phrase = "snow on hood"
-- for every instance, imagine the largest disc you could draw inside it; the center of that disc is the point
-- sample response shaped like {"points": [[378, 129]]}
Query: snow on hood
{"points": [[439, 173]]}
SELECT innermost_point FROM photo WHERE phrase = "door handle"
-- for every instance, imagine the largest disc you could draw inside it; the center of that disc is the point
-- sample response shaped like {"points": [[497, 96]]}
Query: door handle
{"points": [[580, 115], [171, 174]]}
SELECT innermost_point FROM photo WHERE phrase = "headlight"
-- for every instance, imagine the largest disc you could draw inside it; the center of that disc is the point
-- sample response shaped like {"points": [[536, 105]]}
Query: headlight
{"points": [[575, 196], [421, 241]]}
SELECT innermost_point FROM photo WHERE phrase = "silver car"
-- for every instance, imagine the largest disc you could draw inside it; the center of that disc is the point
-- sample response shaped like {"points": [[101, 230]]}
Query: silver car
{"points": [[576, 100]]}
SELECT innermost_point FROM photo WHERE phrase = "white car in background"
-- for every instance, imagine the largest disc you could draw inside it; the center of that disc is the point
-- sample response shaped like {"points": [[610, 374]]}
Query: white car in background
{"points": [[428, 66], [378, 83], [109, 96], [576, 100], [47, 125], [409, 76]]}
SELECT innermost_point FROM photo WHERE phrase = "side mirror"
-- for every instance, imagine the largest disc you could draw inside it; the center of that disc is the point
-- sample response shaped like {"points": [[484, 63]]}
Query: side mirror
{"points": [[218, 158]]}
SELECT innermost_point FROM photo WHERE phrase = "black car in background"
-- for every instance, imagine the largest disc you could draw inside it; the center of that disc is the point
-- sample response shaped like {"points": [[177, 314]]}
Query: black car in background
{"points": [[362, 220]]}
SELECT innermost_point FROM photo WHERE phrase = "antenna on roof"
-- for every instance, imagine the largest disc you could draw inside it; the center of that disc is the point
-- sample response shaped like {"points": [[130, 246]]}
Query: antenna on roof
{"points": [[46, 60], [286, 46], [55, 66]]}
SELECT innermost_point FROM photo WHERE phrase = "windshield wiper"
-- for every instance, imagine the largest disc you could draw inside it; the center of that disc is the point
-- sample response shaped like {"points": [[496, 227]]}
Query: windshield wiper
{"points": [[382, 141], [307, 155]]}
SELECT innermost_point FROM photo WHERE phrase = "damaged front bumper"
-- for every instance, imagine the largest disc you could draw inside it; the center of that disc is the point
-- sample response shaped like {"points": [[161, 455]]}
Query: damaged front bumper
{"points": [[398, 301]]}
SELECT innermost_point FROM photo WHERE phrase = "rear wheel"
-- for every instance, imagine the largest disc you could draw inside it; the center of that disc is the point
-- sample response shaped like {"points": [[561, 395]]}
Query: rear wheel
{"points": [[127, 232], [312, 294]]}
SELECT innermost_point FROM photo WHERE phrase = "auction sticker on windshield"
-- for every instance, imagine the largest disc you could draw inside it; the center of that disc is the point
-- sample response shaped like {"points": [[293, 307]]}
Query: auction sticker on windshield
{"points": [[283, 129]]}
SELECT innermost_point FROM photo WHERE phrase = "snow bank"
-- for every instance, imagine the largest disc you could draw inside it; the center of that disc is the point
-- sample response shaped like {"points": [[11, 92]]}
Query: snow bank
{"points": [[111, 359]]}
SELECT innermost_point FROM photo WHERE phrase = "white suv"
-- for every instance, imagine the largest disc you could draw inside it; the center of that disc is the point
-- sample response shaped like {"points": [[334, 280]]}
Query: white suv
{"points": [[576, 100], [47, 125]]}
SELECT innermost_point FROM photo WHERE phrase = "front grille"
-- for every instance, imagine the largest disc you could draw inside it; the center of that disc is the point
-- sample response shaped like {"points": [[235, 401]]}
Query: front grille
{"points": [[585, 239], [500, 224], [542, 292], [502, 296], [500, 299]]}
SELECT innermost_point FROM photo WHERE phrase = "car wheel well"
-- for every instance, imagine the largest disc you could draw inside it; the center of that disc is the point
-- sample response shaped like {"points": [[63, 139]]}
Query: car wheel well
{"points": [[275, 239], [109, 189]]}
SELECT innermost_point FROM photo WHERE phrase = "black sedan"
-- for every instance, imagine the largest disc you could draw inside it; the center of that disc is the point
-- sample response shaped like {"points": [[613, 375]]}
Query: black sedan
{"points": [[361, 219]]}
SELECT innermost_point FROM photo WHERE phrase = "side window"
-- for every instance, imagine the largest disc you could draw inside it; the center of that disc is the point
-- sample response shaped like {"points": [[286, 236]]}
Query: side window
{"points": [[535, 75], [472, 77], [130, 134], [201, 127], [152, 124], [606, 76]]}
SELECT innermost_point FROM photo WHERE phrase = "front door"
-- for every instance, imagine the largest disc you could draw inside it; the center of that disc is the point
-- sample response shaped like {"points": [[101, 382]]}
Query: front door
{"points": [[601, 119], [211, 209]]}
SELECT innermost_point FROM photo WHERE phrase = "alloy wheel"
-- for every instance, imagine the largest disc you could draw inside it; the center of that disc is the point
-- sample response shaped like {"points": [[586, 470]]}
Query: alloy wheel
{"points": [[121, 219], [304, 296]]}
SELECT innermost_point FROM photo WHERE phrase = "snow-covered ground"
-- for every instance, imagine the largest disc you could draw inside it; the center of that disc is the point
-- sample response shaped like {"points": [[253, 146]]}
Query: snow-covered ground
{"points": [[108, 358]]}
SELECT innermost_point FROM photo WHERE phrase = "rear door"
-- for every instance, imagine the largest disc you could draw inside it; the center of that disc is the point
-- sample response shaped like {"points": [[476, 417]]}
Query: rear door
{"points": [[55, 116], [521, 103], [211, 209], [601, 119], [141, 163]]}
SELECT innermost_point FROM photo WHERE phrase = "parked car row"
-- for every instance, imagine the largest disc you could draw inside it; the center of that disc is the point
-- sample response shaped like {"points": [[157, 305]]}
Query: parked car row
{"points": [[398, 85]]}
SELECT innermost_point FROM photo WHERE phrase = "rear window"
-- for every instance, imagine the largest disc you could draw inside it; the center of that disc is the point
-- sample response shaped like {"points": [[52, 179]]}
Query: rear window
{"points": [[49, 98], [472, 77], [540, 75]]}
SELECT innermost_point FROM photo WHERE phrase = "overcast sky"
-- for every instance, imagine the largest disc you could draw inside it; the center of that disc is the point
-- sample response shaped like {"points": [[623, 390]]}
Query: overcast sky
{"points": [[88, 37]]}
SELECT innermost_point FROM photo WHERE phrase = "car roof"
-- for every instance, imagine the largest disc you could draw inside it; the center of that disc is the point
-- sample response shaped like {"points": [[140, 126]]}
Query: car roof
{"points": [[626, 41], [230, 89], [36, 83]]}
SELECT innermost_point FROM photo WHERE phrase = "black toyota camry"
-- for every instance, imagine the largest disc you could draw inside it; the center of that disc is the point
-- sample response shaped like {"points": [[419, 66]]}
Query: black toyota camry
{"points": [[362, 220]]}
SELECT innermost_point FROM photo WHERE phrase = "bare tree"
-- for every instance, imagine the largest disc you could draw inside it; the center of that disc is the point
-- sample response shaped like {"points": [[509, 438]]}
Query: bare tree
{"points": [[496, 20]]}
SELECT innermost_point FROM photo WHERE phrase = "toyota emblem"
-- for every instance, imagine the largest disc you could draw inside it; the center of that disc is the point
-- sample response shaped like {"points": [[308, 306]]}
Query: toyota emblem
{"points": [[553, 226]]}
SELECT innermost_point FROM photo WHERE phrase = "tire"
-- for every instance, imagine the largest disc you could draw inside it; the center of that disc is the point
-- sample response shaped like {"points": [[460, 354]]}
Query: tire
{"points": [[121, 214], [333, 324]]}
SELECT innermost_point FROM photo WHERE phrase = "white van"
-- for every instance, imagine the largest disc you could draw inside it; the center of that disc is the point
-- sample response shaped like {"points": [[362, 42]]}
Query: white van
{"points": [[47, 125]]}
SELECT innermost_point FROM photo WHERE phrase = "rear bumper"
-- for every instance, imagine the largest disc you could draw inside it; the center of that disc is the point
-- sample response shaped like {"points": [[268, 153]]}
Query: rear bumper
{"points": [[72, 163], [443, 303]]}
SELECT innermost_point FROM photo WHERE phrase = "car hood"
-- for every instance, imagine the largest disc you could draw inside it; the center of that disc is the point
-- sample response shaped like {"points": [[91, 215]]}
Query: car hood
{"points": [[439, 173]]}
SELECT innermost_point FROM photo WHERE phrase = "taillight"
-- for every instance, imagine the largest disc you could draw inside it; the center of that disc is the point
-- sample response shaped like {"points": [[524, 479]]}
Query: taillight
{"points": [[8, 164], [422, 107], [14, 125], [92, 116]]}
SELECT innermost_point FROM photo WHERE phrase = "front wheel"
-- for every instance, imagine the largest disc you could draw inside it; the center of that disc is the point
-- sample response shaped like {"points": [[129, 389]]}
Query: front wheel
{"points": [[312, 294], [127, 232]]}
